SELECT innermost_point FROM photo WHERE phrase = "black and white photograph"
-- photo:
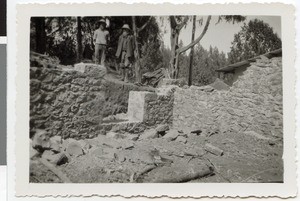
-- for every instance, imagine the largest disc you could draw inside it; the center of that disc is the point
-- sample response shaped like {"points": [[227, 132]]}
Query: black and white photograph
{"points": [[156, 99]]}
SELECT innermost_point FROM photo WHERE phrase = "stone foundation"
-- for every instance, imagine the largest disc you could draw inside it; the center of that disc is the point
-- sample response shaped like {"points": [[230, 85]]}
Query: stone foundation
{"points": [[70, 103]]}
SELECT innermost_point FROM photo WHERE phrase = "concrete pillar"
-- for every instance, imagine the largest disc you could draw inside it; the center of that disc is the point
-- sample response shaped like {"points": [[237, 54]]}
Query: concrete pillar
{"points": [[136, 105]]}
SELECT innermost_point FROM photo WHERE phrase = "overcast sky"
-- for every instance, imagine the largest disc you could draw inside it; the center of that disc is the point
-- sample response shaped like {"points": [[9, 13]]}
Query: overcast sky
{"points": [[219, 35]]}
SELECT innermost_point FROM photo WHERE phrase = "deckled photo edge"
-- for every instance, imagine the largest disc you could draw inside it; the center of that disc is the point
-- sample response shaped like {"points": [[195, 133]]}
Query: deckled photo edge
{"points": [[23, 188]]}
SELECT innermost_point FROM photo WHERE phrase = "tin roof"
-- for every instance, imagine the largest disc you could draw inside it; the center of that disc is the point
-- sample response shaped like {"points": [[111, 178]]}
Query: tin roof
{"points": [[247, 62]]}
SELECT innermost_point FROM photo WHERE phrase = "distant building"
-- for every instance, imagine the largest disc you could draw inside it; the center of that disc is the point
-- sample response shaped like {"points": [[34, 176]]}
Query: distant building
{"points": [[232, 72]]}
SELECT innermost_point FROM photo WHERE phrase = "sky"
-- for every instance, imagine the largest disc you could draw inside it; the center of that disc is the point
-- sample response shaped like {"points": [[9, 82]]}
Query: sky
{"points": [[218, 35]]}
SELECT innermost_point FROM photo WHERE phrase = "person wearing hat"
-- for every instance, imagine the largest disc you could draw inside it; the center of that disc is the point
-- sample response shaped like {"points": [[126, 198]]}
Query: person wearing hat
{"points": [[101, 39], [125, 51]]}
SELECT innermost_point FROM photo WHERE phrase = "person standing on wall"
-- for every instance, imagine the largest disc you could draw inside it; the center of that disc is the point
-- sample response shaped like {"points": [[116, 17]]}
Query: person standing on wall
{"points": [[101, 39], [125, 51]]}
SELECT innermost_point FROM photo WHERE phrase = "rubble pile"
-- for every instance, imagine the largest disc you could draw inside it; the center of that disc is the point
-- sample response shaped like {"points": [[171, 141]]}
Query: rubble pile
{"points": [[253, 103], [124, 157]]}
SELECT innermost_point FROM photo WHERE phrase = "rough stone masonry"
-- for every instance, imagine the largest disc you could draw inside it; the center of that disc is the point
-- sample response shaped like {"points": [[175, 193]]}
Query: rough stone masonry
{"points": [[71, 103], [253, 104]]}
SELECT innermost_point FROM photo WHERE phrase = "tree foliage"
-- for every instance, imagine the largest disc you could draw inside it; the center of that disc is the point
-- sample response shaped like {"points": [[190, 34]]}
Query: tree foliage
{"points": [[60, 36], [177, 23], [205, 62], [255, 38]]}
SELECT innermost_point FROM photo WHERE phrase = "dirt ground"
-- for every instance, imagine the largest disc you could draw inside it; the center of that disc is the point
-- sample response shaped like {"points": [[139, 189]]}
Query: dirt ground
{"points": [[245, 158]]}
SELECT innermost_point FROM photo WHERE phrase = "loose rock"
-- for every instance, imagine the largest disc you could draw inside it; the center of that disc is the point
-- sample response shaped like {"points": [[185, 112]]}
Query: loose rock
{"points": [[149, 134], [41, 140], [161, 129], [57, 159], [171, 135], [214, 150], [74, 149], [181, 139], [114, 135]]}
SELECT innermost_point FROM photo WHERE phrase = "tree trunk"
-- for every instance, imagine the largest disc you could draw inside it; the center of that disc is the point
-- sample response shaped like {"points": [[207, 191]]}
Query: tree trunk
{"points": [[175, 30], [79, 41], [176, 69], [40, 34], [197, 40], [190, 80], [138, 76], [174, 56]]}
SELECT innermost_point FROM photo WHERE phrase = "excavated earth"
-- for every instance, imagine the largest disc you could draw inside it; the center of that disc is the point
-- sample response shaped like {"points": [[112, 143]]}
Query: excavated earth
{"points": [[127, 158]]}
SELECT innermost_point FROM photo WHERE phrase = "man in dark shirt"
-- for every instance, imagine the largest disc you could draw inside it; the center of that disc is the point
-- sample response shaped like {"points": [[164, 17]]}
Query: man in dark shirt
{"points": [[125, 51]]}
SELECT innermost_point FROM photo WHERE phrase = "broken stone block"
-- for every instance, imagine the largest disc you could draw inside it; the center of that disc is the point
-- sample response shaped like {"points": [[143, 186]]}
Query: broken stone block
{"points": [[120, 156], [57, 159], [55, 144], [127, 145], [55, 147], [214, 150], [133, 137], [256, 135], [149, 134], [161, 129], [181, 139], [85, 145], [97, 151], [74, 149], [178, 173], [264, 58], [185, 131], [56, 139], [194, 151], [112, 144], [109, 154], [171, 135], [61, 159], [33, 152], [114, 135], [66, 142], [41, 140]]}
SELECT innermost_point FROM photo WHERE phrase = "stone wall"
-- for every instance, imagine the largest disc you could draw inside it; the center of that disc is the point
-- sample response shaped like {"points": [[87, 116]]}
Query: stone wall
{"points": [[71, 103], [253, 103], [158, 108], [151, 108]]}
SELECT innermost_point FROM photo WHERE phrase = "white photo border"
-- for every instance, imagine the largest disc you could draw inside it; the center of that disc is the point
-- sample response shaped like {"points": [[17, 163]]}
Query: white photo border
{"points": [[195, 190]]}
